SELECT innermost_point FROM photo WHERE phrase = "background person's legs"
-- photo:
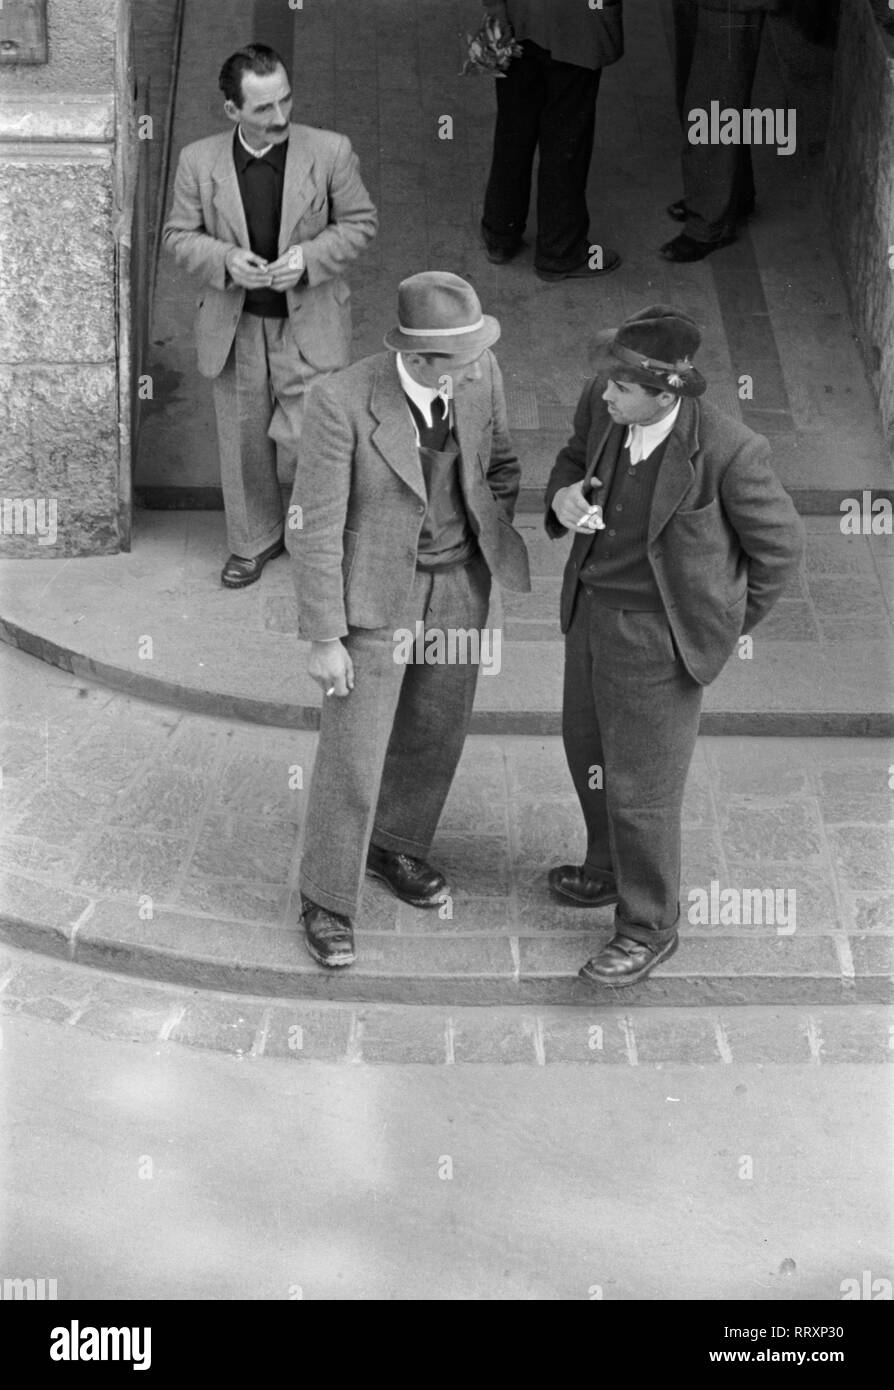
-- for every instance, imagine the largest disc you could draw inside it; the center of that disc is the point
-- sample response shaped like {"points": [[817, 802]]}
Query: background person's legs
{"points": [[718, 185], [567, 126], [520, 97]]}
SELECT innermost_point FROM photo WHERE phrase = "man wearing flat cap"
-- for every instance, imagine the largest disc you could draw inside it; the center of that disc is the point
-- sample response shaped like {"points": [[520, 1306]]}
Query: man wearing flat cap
{"points": [[405, 489], [684, 540]]}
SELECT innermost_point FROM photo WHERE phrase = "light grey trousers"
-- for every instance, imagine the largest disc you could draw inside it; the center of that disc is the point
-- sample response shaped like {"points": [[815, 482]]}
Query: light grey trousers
{"points": [[388, 751], [259, 402]]}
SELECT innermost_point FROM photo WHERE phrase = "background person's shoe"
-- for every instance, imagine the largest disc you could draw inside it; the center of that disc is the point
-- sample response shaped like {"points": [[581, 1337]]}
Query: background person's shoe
{"points": [[412, 880], [678, 211], [238, 571], [499, 255], [610, 261], [684, 248], [623, 961], [328, 936], [573, 884]]}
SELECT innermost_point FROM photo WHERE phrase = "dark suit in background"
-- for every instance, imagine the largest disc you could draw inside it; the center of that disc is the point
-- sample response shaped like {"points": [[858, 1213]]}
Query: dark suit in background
{"points": [[547, 102], [717, 46]]}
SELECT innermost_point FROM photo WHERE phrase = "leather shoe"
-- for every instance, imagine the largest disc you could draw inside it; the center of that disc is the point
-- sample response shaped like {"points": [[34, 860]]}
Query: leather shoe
{"points": [[684, 248], [499, 255], [678, 211], [610, 261], [328, 936], [238, 571], [412, 880], [623, 961], [577, 886]]}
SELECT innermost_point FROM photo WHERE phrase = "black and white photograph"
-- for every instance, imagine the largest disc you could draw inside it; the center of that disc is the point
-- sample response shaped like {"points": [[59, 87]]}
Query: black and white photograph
{"points": [[447, 667]]}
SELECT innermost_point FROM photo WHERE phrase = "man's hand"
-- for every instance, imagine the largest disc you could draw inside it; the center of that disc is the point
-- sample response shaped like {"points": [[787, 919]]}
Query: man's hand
{"points": [[331, 668], [288, 270], [574, 511], [247, 269]]}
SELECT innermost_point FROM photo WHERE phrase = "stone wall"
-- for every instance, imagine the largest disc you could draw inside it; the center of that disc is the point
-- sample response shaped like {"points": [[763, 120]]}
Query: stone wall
{"points": [[66, 192], [860, 190]]}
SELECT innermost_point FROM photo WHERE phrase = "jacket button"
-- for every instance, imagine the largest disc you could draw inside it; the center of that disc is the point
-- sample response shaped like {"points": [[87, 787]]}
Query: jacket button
{"points": [[421, 509], [611, 533]]}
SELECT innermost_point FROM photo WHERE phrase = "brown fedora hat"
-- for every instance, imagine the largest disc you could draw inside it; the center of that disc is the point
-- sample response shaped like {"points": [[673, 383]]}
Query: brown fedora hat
{"points": [[654, 348], [439, 312]]}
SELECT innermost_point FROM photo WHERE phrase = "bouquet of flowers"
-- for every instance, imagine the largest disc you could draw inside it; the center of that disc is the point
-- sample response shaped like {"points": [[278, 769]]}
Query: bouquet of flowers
{"points": [[492, 49]]}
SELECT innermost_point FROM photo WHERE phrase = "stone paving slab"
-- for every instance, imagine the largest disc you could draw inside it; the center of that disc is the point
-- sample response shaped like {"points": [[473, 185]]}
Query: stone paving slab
{"points": [[119, 1008], [157, 623], [156, 843]]}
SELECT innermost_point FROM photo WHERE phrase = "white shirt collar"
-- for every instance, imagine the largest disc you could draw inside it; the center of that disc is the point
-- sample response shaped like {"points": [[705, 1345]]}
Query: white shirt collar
{"points": [[644, 439], [421, 396], [256, 154]]}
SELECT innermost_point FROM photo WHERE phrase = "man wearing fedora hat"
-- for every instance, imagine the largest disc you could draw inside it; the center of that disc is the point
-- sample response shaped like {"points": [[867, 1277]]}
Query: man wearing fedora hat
{"points": [[684, 539], [405, 489]]}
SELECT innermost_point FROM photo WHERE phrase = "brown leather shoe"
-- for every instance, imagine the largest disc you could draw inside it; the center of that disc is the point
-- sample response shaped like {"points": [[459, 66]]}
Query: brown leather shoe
{"points": [[410, 879], [623, 961], [579, 888], [328, 936], [238, 572]]}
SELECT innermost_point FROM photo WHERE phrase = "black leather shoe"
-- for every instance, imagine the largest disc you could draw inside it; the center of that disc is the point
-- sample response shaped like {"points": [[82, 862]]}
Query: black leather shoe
{"points": [[678, 211], [499, 255], [412, 880], [328, 936], [610, 261], [577, 886], [625, 962], [684, 248], [238, 571]]}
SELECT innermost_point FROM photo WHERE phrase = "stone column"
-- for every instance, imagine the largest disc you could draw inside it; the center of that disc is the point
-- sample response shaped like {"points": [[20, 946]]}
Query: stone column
{"points": [[66, 195]]}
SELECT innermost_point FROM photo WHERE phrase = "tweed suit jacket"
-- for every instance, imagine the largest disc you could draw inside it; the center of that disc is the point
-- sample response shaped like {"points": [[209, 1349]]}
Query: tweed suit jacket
{"points": [[325, 209], [362, 496], [571, 31], [724, 538]]}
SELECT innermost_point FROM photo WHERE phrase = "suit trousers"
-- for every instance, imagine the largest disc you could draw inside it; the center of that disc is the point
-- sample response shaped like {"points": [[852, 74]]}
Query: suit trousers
{"points": [[388, 751], [630, 718], [552, 105], [716, 59], [259, 403]]}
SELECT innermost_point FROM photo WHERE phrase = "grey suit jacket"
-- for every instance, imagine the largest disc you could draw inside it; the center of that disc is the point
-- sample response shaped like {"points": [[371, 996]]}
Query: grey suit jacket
{"points": [[571, 31], [326, 210], [362, 497], [724, 538]]}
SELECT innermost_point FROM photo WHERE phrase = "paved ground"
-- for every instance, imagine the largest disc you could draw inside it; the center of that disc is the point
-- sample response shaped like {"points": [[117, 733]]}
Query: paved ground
{"points": [[148, 840], [772, 306], [153, 1170], [820, 664]]}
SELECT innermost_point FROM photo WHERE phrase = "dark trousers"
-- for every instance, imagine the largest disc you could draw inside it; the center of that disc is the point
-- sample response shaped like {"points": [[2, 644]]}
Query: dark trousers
{"points": [[388, 751], [550, 105], [716, 59], [630, 717]]}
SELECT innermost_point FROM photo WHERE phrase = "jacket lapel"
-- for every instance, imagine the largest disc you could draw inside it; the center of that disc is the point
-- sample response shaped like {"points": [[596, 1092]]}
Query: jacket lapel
{"points": [[675, 472], [297, 184], [470, 411], [393, 435], [226, 197]]}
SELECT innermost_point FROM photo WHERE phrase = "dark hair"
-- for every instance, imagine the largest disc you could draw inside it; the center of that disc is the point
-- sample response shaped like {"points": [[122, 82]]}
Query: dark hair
{"points": [[254, 57]]}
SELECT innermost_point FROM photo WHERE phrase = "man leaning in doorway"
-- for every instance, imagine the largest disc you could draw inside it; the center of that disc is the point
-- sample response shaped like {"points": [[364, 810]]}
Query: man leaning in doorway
{"points": [[268, 217]]}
